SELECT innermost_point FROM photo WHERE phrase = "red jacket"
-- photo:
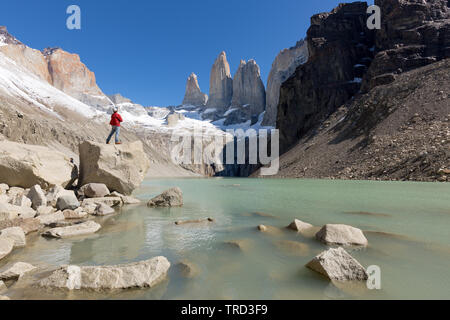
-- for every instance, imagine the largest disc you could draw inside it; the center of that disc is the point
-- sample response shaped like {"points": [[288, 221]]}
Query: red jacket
{"points": [[116, 119]]}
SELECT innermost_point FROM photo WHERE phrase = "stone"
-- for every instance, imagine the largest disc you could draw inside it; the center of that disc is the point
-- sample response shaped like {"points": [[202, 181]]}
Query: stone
{"points": [[44, 210], [20, 200], [94, 190], [141, 274], [305, 229], [169, 198], [241, 245], [51, 218], [37, 197], [187, 269], [221, 84], [10, 212], [77, 214], [3, 188], [16, 271], [3, 286], [28, 225], [24, 165], [109, 201], [339, 234], [121, 168], [103, 210], [55, 192], [89, 208], [67, 202], [181, 222], [338, 264], [85, 228], [269, 230], [194, 96], [283, 68], [125, 199], [16, 234], [6, 246], [249, 93]]}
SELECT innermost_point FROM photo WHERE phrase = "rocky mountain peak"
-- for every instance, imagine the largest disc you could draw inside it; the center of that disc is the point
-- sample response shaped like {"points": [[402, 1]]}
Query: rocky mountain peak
{"points": [[118, 98], [6, 38], [194, 96], [221, 84]]}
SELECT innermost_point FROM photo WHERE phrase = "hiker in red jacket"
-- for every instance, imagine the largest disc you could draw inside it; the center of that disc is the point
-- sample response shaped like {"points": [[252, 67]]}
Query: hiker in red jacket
{"points": [[116, 119]]}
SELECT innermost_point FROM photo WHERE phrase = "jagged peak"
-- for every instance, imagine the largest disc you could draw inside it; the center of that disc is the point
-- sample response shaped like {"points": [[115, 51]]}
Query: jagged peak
{"points": [[50, 50], [6, 38]]}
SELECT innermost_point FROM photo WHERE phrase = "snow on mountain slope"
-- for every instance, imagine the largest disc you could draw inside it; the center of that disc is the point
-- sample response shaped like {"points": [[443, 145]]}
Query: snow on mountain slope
{"points": [[19, 83]]}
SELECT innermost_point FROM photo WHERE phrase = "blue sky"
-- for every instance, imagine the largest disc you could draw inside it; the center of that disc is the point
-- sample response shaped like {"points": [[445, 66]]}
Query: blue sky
{"points": [[147, 49]]}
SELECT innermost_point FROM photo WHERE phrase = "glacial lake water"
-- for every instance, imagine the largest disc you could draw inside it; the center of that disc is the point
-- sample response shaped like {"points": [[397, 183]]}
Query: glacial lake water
{"points": [[407, 225]]}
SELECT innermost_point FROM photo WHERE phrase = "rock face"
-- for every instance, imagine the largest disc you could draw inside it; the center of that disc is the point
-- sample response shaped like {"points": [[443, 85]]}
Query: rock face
{"points": [[135, 275], [413, 34], [283, 68], [331, 76], [340, 234], [170, 198], [121, 168], [337, 264], [249, 94], [221, 84], [81, 229], [28, 165], [194, 96]]}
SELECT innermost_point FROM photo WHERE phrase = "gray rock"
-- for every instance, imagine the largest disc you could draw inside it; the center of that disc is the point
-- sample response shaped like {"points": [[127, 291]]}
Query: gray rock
{"points": [[37, 197], [169, 198], [16, 271], [81, 229], [109, 201], [16, 234], [51, 218], [103, 210], [74, 214], [10, 212], [337, 264], [194, 96], [125, 199], [55, 192], [6, 246], [44, 210], [94, 190], [134, 275], [67, 202], [299, 226], [221, 84], [340, 234]]}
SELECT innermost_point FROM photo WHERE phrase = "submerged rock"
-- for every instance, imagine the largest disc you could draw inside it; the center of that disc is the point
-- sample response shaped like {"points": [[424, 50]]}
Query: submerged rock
{"points": [[81, 229], [341, 234], [337, 264], [169, 198], [16, 234], [134, 275], [269, 230], [241, 245], [294, 248], [187, 269], [121, 168], [194, 221], [16, 271]]}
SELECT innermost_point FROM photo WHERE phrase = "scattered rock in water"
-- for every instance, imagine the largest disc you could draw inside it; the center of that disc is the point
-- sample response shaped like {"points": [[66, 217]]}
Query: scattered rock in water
{"points": [[125, 199], [294, 248], [94, 190], [372, 214], [44, 210], [68, 201], [269, 230], [141, 274], [6, 246], [121, 168], [16, 234], [187, 269], [169, 198], [103, 210], [337, 264], [300, 226], [16, 271], [51, 218], [74, 214], [108, 201], [260, 215], [194, 221], [340, 234], [85, 228], [37, 197]]}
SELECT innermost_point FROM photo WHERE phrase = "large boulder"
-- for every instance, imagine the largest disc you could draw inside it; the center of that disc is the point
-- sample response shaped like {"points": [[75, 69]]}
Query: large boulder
{"points": [[68, 201], [169, 198], [134, 275], [341, 234], [81, 229], [37, 197], [55, 192], [16, 234], [24, 165], [338, 264], [16, 271], [121, 168], [6, 246], [94, 190]]}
